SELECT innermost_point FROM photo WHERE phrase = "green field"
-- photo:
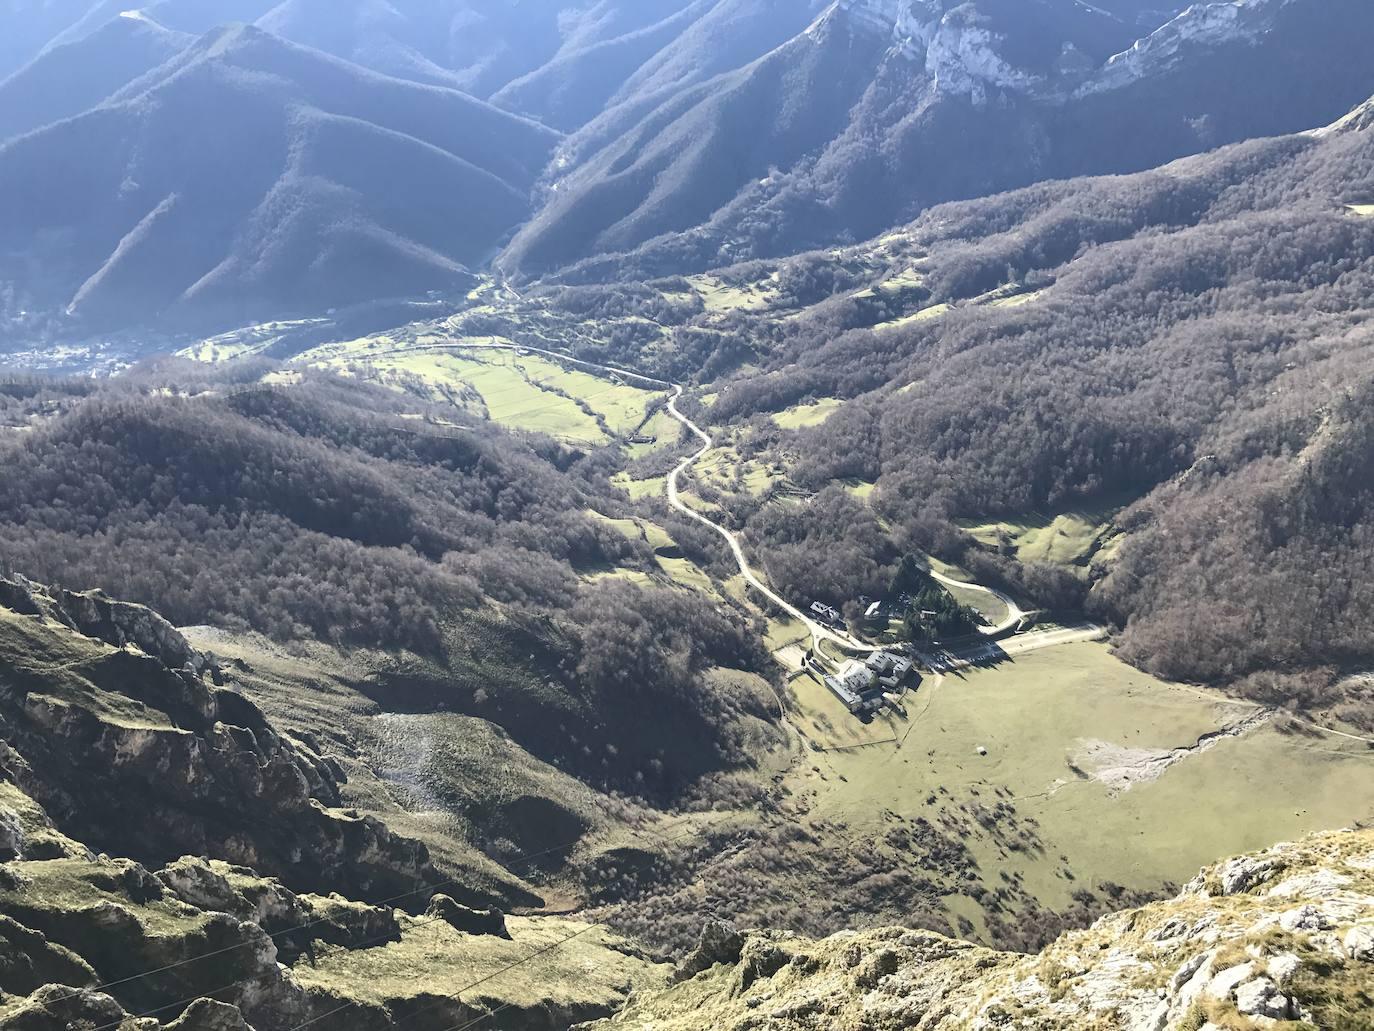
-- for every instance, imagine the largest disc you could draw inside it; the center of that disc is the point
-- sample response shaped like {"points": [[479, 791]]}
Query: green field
{"points": [[516, 389], [720, 297], [720, 466], [861, 489], [991, 607], [907, 279], [666, 431], [1036, 715], [1071, 539], [671, 563], [1016, 299], [685, 573], [653, 487], [814, 414]]}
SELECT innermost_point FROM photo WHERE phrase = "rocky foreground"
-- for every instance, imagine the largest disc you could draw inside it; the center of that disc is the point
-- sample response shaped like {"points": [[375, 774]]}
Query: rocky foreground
{"points": [[171, 858], [1282, 939]]}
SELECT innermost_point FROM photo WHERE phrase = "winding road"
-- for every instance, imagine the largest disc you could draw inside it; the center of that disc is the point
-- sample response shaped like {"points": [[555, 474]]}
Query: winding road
{"points": [[819, 631], [1015, 614]]}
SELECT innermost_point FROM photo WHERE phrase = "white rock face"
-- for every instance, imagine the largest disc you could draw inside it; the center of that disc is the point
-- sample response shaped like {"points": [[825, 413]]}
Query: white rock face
{"points": [[962, 58], [1282, 967], [960, 55], [1202, 24], [910, 23], [881, 15], [1224, 983], [1359, 943], [1260, 998], [1305, 918], [1244, 873]]}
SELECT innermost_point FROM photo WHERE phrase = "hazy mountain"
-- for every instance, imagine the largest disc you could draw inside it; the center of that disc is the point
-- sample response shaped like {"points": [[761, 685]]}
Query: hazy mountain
{"points": [[476, 45], [44, 24], [70, 78], [30, 24], [941, 102], [701, 132], [249, 177]]}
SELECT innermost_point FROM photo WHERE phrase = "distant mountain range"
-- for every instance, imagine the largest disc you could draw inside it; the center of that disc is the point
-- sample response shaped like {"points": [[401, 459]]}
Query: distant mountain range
{"points": [[247, 176], [880, 109], [160, 168]]}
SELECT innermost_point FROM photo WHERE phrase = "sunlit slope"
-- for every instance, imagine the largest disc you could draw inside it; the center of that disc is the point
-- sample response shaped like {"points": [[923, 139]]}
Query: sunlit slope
{"points": [[250, 178]]}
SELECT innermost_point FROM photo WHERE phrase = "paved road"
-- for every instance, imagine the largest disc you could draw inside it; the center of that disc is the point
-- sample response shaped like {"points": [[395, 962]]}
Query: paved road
{"points": [[819, 631], [1018, 645], [1014, 613]]}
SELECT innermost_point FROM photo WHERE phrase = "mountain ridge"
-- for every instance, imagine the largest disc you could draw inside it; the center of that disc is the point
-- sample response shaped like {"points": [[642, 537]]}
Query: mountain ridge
{"points": [[247, 178], [995, 124]]}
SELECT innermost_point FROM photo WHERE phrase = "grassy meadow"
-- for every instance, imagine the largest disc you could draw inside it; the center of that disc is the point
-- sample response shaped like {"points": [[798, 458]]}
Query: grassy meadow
{"points": [[1035, 717], [516, 389]]}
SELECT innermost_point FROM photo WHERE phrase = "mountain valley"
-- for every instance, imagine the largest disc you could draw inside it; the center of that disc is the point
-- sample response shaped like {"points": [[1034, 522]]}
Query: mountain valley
{"points": [[686, 513]]}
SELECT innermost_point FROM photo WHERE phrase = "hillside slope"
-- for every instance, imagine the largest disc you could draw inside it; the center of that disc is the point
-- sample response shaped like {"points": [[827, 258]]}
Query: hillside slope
{"points": [[464, 560], [937, 102], [74, 77], [1056, 389], [164, 844], [674, 169], [1284, 938], [249, 178]]}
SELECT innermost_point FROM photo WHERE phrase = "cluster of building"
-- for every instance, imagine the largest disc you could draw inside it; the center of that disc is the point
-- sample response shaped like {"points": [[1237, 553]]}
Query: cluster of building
{"points": [[868, 686], [874, 611], [826, 613]]}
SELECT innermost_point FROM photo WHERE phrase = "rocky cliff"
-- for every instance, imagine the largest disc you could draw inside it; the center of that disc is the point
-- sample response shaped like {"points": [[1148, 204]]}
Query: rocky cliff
{"points": [[168, 857], [114, 724], [1281, 939], [1199, 25]]}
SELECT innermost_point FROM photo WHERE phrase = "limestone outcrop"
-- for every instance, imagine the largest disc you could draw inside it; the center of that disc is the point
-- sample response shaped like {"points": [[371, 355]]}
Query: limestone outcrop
{"points": [[114, 724], [169, 859], [1284, 938]]}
